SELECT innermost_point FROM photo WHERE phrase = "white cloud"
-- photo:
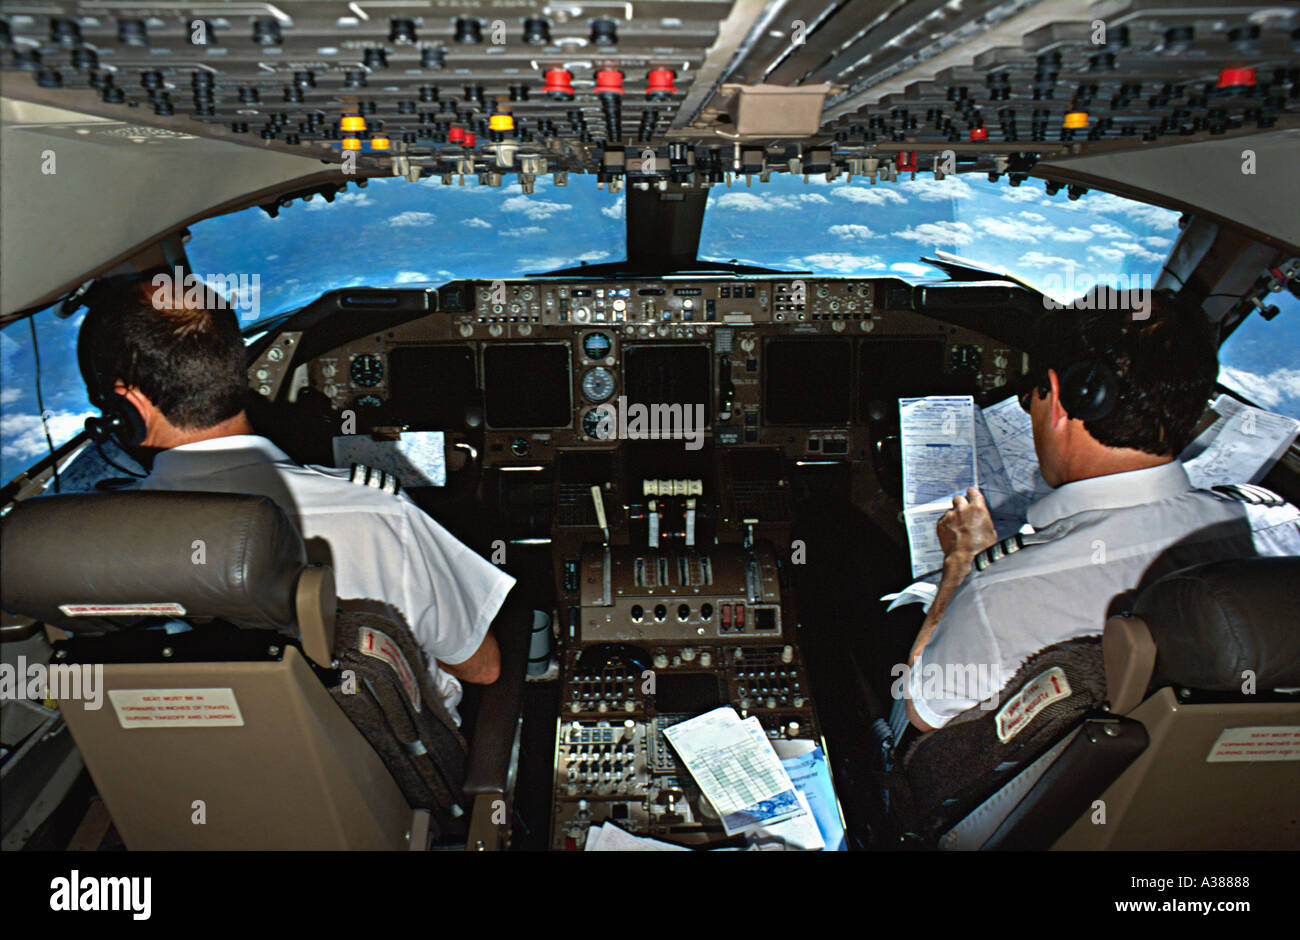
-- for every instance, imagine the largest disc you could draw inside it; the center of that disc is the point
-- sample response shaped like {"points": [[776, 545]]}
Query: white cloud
{"points": [[746, 202], [526, 232], [1036, 259], [561, 261], [534, 209], [476, 222], [837, 261], [816, 198], [347, 199], [406, 219], [1118, 251], [10, 395], [873, 196], [410, 277], [851, 231], [1032, 216], [1152, 216], [1106, 230], [25, 437], [1021, 194], [1072, 234], [1267, 390], [1155, 241], [932, 190], [911, 267], [615, 211], [1011, 229], [939, 233], [1111, 255]]}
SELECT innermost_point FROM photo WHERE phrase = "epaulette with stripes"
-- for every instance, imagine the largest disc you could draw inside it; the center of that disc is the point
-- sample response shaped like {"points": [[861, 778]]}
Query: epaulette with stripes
{"points": [[1247, 493], [378, 479], [1008, 546]]}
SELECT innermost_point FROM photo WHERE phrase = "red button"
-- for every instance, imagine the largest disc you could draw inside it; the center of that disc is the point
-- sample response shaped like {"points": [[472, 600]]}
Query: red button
{"points": [[726, 616], [979, 133], [1235, 78], [740, 616]]}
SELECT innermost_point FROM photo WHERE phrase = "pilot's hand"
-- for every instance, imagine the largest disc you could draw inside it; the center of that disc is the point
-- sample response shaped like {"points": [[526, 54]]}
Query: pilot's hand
{"points": [[967, 528]]}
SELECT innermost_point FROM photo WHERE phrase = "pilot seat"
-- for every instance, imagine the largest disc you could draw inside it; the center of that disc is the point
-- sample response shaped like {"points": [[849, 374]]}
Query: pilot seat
{"points": [[1174, 730], [239, 709]]}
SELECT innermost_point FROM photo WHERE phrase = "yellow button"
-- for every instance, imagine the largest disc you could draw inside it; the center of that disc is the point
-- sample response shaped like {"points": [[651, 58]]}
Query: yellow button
{"points": [[1076, 119], [351, 143], [501, 122], [353, 122], [379, 143]]}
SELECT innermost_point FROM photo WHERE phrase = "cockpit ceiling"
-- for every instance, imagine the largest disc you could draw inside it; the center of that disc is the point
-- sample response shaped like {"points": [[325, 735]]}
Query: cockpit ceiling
{"points": [[978, 76]]}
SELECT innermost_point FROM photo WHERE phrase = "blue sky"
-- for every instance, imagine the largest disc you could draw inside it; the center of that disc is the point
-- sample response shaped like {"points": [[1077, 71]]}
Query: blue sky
{"points": [[395, 233]]}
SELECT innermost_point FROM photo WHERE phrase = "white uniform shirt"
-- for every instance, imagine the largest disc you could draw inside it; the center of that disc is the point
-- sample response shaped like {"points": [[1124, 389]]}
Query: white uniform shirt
{"points": [[1094, 542], [388, 556]]}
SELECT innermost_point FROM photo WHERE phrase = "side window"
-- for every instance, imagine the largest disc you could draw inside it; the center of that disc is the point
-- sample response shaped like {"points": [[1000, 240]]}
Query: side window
{"points": [[22, 432], [1261, 359]]}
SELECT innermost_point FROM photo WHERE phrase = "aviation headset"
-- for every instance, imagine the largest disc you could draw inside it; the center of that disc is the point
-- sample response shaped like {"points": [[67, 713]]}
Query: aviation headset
{"points": [[118, 417], [1089, 387]]}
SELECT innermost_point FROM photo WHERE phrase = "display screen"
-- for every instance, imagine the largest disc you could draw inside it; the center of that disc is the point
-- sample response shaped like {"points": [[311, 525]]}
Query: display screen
{"points": [[689, 693], [904, 368], [432, 386], [527, 385], [672, 374], [807, 382]]}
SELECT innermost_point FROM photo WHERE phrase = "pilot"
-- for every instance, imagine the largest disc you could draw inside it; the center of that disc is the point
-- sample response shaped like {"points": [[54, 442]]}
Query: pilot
{"points": [[1115, 399], [182, 368]]}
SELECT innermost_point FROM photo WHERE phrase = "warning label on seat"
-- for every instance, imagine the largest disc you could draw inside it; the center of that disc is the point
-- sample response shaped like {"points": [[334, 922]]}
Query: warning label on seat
{"points": [[1278, 742], [176, 708]]}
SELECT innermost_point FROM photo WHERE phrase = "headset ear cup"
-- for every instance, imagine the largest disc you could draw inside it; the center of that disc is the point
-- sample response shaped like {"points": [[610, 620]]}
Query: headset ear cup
{"points": [[127, 422], [1089, 390]]}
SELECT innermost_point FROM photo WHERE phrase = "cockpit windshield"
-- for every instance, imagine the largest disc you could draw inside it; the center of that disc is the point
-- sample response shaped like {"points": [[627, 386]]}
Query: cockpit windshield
{"points": [[1059, 245], [398, 234]]}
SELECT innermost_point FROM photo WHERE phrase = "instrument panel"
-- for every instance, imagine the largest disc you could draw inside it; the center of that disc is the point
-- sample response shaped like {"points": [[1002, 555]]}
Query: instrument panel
{"points": [[798, 363]]}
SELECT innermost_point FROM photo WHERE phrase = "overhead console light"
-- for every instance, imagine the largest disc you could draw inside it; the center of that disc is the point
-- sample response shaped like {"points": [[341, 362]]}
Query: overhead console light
{"points": [[604, 32], [537, 31], [659, 84], [777, 110], [468, 31], [1075, 120], [1236, 78], [380, 143], [266, 32], [132, 33], [559, 84], [401, 30]]}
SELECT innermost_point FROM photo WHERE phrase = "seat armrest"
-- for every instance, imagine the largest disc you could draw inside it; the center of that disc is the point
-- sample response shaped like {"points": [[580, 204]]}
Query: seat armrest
{"points": [[489, 765]]}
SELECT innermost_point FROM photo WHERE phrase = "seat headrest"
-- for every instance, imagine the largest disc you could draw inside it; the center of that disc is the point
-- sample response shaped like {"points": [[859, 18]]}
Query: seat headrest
{"points": [[1212, 622], [72, 561]]}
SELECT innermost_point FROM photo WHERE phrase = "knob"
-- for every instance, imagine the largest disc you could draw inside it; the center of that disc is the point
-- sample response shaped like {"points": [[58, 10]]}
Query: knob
{"points": [[637, 612], [706, 611], [661, 612], [688, 654], [787, 654], [706, 659], [792, 729], [769, 702], [661, 661], [683, 612]]}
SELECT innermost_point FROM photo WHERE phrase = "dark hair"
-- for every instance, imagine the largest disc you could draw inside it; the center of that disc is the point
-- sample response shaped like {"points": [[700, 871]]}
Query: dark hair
{"points": [[1166, 364], [189, 359]]}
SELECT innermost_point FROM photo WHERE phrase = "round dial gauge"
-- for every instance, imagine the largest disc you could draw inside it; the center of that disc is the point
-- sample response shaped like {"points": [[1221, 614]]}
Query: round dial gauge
{"points": [[596, 345], [367, 401], [367, 370], [598, 384]]}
